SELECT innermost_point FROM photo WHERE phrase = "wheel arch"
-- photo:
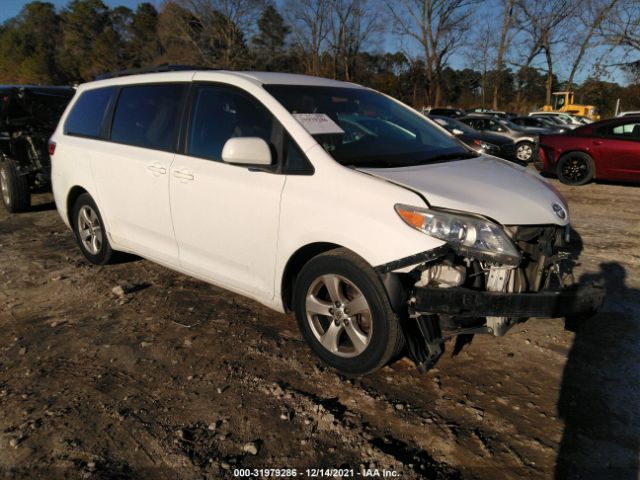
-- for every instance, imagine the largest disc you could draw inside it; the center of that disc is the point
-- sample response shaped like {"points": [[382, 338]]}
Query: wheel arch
{"points": [[295, 264], [391, 281], [72, 197]]}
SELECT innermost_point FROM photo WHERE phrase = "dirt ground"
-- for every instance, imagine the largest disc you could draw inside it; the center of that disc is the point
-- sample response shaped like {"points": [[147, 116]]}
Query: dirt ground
{"points": [[178, 379]]}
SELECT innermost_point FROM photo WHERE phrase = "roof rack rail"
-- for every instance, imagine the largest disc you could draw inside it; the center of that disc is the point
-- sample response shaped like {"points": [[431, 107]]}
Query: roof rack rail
{"points": [[165, 67]]}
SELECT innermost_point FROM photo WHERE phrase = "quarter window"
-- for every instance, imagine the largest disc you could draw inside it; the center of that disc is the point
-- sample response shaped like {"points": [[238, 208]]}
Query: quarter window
{"points": [[148, 116], [630, 131], [221, 113], [88, 112]]}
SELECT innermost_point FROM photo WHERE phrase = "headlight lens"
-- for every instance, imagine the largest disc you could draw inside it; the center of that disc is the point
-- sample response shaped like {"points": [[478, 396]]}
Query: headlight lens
{"points": [[482, 146], [474, 236]]}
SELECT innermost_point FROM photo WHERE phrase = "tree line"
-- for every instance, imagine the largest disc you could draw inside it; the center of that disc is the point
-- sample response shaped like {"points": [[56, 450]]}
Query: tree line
{"points": [[507, 52]]}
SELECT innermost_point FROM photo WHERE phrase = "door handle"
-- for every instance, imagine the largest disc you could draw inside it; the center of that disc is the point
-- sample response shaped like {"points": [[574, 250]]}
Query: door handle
{"points": [[157, 168], [597, 142], [183, 175]]}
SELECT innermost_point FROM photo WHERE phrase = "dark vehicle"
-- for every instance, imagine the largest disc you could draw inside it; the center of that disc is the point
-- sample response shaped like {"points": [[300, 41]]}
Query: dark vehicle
{"points": [[483, 142], [607, 150], [526, 139], [447, 112], [494, 113], [28, 117], [540, 122]]}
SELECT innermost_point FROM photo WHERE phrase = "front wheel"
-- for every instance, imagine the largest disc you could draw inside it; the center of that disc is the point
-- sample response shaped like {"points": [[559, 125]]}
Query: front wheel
{"points": [[575, 168], [14, 188], [524, 151], [344, 313]]}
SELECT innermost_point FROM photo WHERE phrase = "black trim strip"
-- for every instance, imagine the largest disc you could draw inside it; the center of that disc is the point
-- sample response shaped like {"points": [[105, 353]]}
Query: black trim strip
{"points": [[422, 257], [464, 302]]}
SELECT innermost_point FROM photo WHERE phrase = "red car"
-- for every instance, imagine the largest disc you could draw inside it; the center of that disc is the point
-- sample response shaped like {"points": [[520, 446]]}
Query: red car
{"points": [[607, 150]]}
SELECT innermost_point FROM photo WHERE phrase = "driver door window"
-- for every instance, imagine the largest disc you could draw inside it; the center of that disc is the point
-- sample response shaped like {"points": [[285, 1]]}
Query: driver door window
{"points": [[221, 113]]}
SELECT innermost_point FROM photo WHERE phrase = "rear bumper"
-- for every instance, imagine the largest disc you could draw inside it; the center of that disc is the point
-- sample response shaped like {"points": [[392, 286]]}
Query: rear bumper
{"points": [[463, 302]]}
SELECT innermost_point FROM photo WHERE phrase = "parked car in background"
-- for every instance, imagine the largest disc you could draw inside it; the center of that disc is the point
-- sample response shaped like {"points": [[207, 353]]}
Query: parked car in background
{"points": [[28, 116], [325, 198], [495, 113], [540, 122], [446, 112], [565, 118], [483, 142], [607, 150], [629, 113], [526, 140]]}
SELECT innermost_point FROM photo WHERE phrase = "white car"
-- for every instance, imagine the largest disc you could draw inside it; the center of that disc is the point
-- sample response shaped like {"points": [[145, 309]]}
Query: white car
{"points": [[569, 120], [373, 224], [629, 113]]}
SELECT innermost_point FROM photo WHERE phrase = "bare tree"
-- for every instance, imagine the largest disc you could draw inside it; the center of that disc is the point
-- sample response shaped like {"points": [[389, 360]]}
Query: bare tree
{"points": [[437, 26], [504, 42], [310, 21], [544, 21], [621, 32], [593, 14], [480, 57], [353, 22], [622, 27], [223, 25]]}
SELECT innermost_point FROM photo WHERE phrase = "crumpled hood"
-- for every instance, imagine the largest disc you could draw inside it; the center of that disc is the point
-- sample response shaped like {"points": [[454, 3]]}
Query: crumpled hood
{"points": [[503, 191]]}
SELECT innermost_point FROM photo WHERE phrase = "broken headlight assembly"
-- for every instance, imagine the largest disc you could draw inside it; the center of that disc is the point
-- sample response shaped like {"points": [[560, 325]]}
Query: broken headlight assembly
{"points": [[468, 235]]}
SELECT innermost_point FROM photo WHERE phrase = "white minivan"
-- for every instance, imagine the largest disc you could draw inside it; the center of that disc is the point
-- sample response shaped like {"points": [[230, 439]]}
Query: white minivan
{"points": [[378, 228]]}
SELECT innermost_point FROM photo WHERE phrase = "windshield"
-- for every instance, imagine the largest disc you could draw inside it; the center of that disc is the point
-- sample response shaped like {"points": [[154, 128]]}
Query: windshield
{"points": [[512, 126], [364, 128]]}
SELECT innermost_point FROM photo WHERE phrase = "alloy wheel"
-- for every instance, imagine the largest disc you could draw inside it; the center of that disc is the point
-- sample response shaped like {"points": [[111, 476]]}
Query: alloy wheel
{"points": [[90, 230], [524, 152], [575, 169], [4, 187], [339, 315]]}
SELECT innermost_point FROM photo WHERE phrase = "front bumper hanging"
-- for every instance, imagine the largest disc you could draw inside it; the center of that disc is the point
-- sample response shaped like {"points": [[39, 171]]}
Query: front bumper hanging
{"points": [[463, 302]]}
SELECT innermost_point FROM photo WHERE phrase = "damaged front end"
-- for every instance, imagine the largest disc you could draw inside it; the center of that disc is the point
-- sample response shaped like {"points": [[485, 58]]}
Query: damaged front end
{"points": [[454, 292]]}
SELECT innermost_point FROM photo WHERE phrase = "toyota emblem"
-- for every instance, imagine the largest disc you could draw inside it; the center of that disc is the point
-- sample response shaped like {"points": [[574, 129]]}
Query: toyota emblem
{"points": [[559, 210]]}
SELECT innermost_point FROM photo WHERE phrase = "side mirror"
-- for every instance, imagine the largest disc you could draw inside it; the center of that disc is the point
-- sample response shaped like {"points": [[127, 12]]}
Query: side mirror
{"points": [[247, 151]]}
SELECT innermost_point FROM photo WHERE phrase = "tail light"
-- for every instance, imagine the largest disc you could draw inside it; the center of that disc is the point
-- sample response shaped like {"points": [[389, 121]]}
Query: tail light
{"points": [[52, 148]]}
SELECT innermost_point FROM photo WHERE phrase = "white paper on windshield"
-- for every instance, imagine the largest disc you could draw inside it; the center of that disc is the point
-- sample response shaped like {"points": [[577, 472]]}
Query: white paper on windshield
{"points": [[317, 123]]}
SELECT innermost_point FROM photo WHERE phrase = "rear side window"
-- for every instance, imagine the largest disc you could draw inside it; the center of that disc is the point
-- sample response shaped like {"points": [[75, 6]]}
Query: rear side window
{"points": [[88, 113], [148, 116], [628, 131]]}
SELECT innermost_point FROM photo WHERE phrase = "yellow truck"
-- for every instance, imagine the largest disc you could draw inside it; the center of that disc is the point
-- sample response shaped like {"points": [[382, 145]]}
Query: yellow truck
{"points": [[563, 102]]}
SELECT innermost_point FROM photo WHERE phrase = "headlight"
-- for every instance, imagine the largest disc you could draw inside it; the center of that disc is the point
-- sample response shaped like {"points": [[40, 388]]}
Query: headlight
{"points": [[481, 146], [473, 236]]}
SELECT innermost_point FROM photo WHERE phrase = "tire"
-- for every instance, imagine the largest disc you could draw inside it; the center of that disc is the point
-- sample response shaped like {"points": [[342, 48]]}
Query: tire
{"points": [[354, 344], [575, 168], [90, 232], [14, 188], [524, 151]]}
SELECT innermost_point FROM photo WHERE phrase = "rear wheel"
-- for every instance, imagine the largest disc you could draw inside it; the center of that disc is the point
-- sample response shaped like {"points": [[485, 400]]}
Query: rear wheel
{"points": [[90, 232], [14, 188], [344, 313], [575, 168]]}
